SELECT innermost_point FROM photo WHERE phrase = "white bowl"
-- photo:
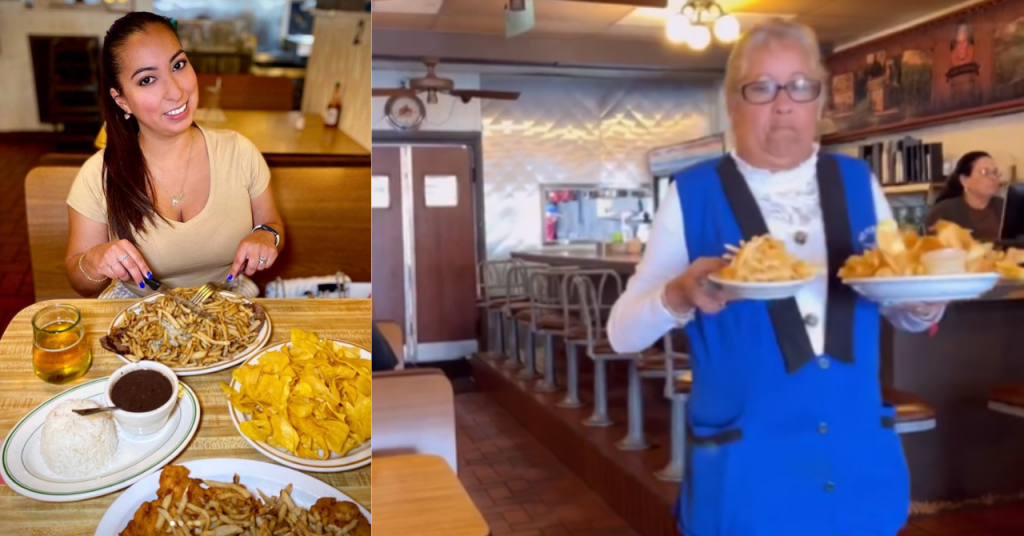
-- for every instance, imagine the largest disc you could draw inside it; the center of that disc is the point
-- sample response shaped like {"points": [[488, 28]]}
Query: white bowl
{"points": [[147, 422]]}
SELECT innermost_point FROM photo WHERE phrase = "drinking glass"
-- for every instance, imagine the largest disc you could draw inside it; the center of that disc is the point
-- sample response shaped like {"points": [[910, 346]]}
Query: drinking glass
{"points": [[60, 353]]}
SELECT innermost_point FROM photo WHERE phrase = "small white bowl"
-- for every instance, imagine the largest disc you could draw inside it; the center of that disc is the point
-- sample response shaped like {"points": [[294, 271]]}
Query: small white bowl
{"points": [[946, 261], [148, 422]]}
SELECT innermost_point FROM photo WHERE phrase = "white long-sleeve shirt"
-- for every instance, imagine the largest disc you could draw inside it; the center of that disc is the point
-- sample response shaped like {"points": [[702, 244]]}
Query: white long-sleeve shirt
{"points": [[790, 204]]}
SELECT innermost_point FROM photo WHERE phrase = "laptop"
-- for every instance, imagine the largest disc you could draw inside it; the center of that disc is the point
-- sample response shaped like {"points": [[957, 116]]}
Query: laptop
{"points": [[1011, 225]]}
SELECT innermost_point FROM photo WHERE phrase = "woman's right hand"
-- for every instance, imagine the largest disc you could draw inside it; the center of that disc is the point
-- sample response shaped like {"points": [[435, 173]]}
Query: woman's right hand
{"points": [[691, 290], [117, 260]]}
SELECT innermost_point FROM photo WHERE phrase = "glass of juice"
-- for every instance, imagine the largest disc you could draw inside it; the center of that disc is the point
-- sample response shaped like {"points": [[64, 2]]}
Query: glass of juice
{"points": [[60, 353]]}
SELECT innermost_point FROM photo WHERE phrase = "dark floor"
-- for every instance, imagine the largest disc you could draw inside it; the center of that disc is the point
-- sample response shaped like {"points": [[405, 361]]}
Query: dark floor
{"points": [[15, 264], [522, 488]]}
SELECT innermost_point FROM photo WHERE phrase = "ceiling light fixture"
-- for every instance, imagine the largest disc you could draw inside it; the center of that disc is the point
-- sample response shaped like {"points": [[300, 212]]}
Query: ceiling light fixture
{"points": [[694, 23]]}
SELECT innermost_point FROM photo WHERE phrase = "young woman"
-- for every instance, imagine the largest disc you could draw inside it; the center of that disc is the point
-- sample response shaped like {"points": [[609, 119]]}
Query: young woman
{"points": [[166, 199], [969, 198]]}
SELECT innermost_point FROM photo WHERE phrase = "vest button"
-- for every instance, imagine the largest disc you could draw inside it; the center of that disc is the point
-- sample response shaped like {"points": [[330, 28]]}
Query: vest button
{"points": [[830, 487], [811, 320], [823, 362], [800, 237], [823, 428]]}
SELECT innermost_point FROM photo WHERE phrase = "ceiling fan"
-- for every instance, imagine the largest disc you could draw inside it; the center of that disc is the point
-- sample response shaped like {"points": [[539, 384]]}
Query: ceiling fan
{"points": [[431, 84]]}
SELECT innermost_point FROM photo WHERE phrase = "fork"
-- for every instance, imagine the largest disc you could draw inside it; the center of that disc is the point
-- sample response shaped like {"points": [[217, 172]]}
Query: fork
{"points": [[205, 292]]}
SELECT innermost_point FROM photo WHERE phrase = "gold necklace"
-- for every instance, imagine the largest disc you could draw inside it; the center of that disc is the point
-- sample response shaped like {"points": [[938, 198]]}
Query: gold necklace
{"points": [[175, 199]]}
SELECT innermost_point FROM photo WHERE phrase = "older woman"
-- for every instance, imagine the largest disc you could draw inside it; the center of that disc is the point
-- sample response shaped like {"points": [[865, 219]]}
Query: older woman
{"points": [[788, 433], [166, 199]]}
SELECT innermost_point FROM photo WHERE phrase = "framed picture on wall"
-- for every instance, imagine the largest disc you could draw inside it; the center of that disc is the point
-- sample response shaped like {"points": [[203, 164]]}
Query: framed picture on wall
{"points": [[961, 65], [116, 6]]}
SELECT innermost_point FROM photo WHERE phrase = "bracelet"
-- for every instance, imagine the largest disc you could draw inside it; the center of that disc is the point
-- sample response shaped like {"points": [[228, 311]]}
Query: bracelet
{"points": [[277, 237], [80, 257]]}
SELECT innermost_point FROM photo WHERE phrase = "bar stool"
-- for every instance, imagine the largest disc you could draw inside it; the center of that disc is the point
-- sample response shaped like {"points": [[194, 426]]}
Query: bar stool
{"points": [[678, 385], [549, 316], [1008, 399], [598, 348], [651, 364], [491, 287], [608, 281], [913, 414], [516, 301]]}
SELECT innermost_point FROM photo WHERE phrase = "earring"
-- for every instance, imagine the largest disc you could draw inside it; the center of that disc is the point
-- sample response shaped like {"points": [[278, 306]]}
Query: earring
{"points": [[127, 116]]}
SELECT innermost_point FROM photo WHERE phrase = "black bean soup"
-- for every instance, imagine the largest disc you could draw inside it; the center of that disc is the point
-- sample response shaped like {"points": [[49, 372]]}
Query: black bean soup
{"points": [[140, 391]]}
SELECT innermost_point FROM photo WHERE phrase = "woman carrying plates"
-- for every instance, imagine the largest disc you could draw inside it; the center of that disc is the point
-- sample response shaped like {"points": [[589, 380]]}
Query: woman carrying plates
{"points": [[787, 430]]}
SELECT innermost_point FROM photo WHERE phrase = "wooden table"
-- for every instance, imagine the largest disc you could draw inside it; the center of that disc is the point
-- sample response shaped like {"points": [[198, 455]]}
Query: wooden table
{"points": [[420, 494], [21, 390], [275, 133]]}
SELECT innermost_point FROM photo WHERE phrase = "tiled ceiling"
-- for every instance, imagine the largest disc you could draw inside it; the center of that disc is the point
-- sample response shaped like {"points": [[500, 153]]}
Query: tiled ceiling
{"points": [[836, 21]]}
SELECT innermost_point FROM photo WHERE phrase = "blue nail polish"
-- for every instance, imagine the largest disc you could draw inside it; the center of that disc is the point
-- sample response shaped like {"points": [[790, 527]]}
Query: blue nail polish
{"points": [[230, 277], [142, 285], [149, 275]]}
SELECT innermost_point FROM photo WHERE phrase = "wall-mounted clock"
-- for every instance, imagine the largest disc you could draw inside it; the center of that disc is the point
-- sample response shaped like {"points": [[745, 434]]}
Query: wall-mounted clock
{"points": [[405, 112]]}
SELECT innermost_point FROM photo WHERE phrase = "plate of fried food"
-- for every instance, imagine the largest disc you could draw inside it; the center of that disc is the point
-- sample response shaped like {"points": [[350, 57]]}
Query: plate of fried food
{"points": [[227, 497], [191, 339], [762, 269], [306, 403], [950, 265]]}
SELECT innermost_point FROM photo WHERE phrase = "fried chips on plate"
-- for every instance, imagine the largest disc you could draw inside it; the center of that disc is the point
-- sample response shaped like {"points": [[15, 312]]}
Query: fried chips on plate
{"points": [[762, 269], [899, 268], [306, 403]]}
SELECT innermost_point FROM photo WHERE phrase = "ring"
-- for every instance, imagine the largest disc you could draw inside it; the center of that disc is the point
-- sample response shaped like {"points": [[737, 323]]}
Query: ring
{"points": [[263, 260], [122, 259]]}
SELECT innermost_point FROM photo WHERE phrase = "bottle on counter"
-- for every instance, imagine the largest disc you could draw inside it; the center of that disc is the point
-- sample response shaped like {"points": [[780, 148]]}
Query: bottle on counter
{"points": [[334, 108]]}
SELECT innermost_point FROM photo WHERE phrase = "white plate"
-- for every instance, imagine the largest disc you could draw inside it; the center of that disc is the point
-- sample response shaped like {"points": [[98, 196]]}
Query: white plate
{"points": [[761, 291], [924, 288], [356, 458], [254, 348], [266, 477], [26, 473]]}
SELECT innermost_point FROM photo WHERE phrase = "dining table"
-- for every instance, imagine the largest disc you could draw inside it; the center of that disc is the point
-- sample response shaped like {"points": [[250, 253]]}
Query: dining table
{"points": [[21, 391], [420, 494], [279, 133]]}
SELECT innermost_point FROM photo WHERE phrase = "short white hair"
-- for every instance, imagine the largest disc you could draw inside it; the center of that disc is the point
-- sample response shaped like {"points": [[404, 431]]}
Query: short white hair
{"points": [[773, 31]]}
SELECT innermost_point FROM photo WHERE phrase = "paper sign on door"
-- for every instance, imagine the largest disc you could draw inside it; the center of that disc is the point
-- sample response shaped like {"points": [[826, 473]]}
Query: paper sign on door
{"points": [[380, 191], [441, 190]]}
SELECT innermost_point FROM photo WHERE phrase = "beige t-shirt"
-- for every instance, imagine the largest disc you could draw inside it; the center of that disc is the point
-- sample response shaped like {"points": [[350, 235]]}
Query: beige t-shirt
{"points": [[203, 248]]}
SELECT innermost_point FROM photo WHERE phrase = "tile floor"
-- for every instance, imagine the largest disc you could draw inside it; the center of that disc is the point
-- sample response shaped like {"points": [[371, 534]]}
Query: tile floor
{"points": [[523, 490]]}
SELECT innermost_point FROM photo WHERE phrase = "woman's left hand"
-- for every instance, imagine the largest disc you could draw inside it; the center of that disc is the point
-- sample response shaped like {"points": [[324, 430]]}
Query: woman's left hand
{"points": [[921, 310], [256, 252]]}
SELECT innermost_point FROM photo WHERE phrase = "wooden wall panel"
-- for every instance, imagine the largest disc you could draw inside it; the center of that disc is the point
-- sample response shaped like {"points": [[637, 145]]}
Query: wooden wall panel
{"points": [[337, 57]]}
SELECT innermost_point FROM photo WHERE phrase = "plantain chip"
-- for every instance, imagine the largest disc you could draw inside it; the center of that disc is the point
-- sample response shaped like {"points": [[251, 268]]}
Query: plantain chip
{"points": [[312, 398]]}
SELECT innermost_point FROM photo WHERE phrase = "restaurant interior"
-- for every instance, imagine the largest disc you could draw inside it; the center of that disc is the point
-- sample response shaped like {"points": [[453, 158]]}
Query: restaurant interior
{"points": [[292, 78], [520, 147]]}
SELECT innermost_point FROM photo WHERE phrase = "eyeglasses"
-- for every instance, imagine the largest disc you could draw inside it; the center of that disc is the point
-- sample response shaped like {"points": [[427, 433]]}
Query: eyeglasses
{"points": [[765, 91], [990, 172]]}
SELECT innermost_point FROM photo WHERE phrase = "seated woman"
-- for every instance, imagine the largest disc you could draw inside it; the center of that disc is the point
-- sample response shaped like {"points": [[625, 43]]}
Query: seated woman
{"points": [[969, 198], [166, 199]]}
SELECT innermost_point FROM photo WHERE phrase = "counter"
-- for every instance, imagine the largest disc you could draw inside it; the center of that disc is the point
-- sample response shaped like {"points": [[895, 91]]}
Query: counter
{"points": [[587, 259], [973, 451]]}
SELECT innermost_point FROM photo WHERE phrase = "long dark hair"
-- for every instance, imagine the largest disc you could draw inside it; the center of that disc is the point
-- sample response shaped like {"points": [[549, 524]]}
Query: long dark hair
{"points": [[964, 167], [127, 183]]}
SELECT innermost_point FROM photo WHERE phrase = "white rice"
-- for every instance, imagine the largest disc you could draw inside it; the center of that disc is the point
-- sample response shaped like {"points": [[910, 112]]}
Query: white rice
{"points": [[76, 446]]}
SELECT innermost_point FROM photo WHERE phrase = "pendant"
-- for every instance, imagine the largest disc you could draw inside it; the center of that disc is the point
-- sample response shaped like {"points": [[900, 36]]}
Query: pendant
{"points": [[177, 199]]}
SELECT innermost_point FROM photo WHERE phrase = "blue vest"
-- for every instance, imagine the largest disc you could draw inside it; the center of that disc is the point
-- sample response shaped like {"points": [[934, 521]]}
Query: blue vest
{"points": [[783, 442]]}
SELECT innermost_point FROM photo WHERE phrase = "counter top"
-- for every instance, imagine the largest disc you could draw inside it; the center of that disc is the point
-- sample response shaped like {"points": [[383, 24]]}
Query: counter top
{"points": [[589, 259]]}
